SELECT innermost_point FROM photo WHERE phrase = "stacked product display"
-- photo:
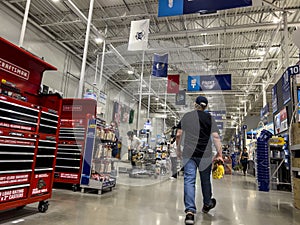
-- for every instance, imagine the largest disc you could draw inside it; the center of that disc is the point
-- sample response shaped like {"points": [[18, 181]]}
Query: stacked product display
{"points": [[262, 161], [98, 169], [74, 119], [279, 161], [295, 158], [29, 125]]}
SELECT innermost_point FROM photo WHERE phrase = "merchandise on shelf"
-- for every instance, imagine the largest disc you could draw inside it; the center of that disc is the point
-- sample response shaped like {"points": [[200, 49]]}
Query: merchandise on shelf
{"points": [[262, 161], [98, 167]]}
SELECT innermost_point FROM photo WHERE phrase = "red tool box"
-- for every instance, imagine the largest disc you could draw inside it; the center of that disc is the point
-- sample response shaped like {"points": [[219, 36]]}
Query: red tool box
{"points": [[74, 120], [29, 128]]}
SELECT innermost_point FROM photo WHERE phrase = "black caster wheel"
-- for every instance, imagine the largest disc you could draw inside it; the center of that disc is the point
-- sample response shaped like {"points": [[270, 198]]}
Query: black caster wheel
{"points": [[43, 206], [74, 188]]}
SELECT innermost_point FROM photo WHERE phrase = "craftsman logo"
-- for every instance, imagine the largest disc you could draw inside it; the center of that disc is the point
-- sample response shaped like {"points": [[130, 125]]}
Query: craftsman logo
{"points": [[13, 69], [73, 108]]}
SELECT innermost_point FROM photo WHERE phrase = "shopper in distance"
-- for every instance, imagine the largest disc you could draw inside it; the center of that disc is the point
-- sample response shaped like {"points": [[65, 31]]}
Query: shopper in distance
{"points": [[244, 160], [134, 145], [197, 131]]}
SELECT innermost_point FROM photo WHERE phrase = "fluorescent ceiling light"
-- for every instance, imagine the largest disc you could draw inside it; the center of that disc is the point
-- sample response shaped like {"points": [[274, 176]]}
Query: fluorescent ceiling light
{"points": [[99, 40], [205, 45], [55, 0], [130, 72], [261, 52], [276, 20], [256, 60], [156, 98]]}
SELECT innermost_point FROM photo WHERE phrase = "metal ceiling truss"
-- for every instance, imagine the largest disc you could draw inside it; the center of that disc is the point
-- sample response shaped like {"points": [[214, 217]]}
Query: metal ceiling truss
{"points": [[245, 42]]}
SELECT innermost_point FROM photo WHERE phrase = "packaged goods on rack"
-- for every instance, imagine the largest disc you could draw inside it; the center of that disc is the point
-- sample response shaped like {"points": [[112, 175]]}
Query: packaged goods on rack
{"points": [[98, 165]]}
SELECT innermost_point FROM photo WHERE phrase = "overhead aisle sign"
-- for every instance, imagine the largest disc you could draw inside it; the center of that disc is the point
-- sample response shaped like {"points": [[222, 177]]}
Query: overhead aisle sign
{"points": [[181, 7], [209, 82]]}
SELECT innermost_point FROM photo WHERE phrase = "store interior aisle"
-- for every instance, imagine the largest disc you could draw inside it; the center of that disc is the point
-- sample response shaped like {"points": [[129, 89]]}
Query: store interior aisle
{"points": [[162, 204]]}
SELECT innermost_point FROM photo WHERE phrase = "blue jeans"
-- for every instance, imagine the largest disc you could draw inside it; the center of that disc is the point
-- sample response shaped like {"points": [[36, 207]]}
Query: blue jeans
{"points": [[190, 169]]}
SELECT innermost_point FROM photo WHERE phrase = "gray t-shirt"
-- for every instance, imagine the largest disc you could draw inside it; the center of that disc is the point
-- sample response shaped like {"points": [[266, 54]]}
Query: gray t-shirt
{"points": [[197, 127]]}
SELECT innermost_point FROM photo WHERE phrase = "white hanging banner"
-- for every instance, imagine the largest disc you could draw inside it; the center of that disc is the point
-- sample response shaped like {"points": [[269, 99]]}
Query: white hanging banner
{"points": [[139, 32]]}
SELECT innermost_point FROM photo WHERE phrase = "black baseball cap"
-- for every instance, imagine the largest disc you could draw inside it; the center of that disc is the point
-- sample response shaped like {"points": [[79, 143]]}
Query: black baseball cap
{"points": [[201, 100]]}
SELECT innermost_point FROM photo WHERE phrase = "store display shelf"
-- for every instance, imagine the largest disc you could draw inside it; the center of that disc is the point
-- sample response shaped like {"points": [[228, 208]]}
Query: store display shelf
{"points": [[15, 171], [14, 187], [296, 169], [272, 158], [295, 147]]}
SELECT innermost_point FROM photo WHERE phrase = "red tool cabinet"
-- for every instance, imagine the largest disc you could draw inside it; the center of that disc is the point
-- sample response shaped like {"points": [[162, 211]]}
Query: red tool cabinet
{"points": [[28, 130], [74, 120]]}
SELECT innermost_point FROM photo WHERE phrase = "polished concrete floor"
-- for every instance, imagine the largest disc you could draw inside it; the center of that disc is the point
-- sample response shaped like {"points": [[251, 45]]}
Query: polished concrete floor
{"points": [[141, 202]]}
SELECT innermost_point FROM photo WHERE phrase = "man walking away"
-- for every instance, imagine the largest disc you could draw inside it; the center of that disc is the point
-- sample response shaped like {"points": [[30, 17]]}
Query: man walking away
{"points": [[199, 130]]}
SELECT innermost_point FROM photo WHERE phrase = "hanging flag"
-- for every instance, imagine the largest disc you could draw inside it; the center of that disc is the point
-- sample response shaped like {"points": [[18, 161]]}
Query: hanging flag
{"points": [[180, 98], [139, 32], [160, 65], [193, 83], [173, 84]]}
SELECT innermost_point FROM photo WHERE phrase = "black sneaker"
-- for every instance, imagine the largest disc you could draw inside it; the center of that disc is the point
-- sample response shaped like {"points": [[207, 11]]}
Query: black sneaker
{"points": [[212, 205], [189, 218]]}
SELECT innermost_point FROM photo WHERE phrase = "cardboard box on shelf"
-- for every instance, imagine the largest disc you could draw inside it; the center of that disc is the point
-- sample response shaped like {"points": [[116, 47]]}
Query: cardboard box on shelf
{"points": [[296, 133], [296, 162], [296, 188], [297, 203]]}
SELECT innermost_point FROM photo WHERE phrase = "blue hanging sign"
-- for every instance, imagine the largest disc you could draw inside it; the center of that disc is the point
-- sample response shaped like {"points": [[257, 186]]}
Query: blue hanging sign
{"points": [[193, 83], [215, 82], [274, 99], [286, 88], [181, 7]]}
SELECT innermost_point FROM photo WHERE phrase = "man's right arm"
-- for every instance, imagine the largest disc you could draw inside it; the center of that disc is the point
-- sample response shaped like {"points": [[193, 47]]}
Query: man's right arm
{"points": [[178, 140], [218, 145]]}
